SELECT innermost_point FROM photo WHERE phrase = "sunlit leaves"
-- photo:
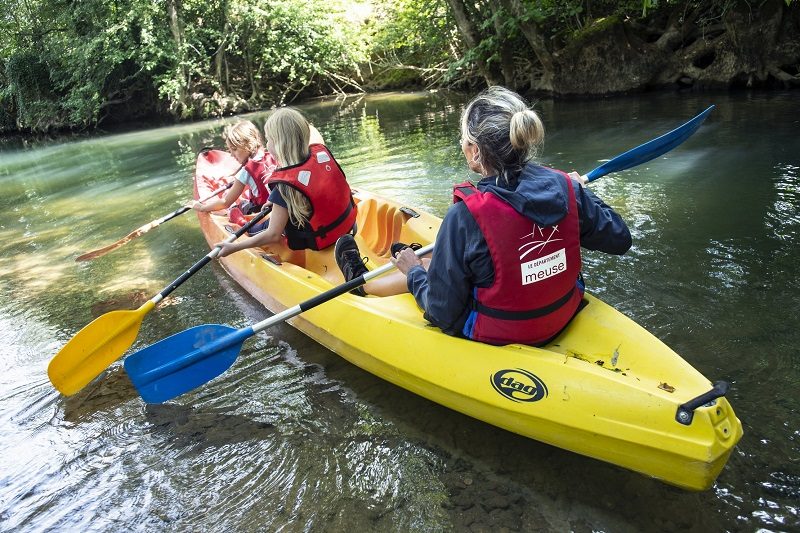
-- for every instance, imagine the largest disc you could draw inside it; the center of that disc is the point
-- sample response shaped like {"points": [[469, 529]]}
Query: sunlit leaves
{"points": [[76, 60]]}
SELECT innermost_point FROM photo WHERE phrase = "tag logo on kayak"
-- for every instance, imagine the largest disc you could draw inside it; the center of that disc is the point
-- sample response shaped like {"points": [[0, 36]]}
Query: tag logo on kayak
{"points": [[519, 385]]}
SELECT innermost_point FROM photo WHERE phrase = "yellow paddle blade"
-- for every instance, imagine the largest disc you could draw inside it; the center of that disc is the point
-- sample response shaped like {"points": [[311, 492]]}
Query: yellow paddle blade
{"points": [[94, 348]]}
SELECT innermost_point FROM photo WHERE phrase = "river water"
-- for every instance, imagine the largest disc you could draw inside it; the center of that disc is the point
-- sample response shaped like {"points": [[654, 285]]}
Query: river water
{"points": [[293, 438]]}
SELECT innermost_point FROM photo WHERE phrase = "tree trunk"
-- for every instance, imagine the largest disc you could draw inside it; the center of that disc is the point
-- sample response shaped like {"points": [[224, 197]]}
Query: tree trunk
{"points": [[219, 62], [254, 93], [506, 51], [472, 38], [537, 43], [176, 26], [221, 55], [220, 59]]}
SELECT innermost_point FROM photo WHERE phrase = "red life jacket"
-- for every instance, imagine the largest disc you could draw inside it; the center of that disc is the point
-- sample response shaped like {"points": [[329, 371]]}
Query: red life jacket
{"points": [[534, 293], [333, 211], [259, 170]]}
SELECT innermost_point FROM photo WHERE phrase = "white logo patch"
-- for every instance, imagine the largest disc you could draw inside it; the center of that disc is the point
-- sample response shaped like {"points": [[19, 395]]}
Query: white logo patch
{"points": [[322, 157], [304, 176], [544, 267], [537, 244]]}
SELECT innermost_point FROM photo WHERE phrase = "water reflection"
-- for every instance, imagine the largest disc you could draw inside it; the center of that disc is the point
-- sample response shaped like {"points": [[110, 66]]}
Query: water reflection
{"points": [[783, 220]]}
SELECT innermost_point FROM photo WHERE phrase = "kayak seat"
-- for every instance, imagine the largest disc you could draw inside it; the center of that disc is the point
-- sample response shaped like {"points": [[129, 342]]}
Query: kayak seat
{"points": [[379, 225]]}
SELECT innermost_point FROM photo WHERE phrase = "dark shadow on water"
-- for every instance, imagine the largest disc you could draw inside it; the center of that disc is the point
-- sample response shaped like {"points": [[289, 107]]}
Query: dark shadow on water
{"points": [[129, 300], [186, 426], [495, 479], [111, 389]]}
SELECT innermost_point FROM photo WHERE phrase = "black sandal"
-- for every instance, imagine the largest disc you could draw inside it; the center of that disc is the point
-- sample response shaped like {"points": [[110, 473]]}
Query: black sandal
{"points": [[396, 247]]}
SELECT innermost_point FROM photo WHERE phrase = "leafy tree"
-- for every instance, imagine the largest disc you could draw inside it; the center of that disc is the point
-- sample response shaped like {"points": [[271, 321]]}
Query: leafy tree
{"points": [[75, 63], [537, 44]]}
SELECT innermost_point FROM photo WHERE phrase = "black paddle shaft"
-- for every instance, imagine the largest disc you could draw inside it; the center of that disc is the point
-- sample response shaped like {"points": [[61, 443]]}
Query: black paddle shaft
{"points": [[211, 255], [182, 210], [175, 213], [330, 294], [185, 208]]}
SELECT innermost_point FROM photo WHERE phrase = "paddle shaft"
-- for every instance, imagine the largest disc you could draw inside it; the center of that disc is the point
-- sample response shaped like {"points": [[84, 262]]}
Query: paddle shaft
{"points": [[142, 230], [213, 253], [331, 293], [107, 337], [240, 335], [185, 208], [209, 256]]}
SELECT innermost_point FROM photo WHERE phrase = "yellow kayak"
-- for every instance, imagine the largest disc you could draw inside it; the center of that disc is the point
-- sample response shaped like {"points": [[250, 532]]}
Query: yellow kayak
{"points": [[604, 388]]}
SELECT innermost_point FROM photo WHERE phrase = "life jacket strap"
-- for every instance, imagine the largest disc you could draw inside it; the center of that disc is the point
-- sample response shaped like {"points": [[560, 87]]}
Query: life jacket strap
{"points": [[322, 231], [523, 315]]}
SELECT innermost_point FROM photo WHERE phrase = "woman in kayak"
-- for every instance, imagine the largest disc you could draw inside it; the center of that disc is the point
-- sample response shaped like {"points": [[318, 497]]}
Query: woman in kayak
{"points": [[244, 144], [506, 266], [312, 204]]}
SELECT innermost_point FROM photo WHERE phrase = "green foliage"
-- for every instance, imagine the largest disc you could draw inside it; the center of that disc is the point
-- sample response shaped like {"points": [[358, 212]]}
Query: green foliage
{"points": [[497, 26], [415, 32], [28, 87], [74, 63], [102, 65], [293, 43], [68, 59]]}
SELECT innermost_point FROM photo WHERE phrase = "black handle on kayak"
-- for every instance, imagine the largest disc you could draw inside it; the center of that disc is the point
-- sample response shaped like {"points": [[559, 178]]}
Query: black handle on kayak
{"points": [[685, 412]]}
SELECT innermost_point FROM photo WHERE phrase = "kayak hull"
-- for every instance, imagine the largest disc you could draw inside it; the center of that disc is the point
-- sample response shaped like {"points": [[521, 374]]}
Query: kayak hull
{"points": [[605, 387]]}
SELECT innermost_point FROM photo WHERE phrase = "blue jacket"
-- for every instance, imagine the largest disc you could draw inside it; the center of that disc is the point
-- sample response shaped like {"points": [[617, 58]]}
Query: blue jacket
{"points": [[461, 259]]}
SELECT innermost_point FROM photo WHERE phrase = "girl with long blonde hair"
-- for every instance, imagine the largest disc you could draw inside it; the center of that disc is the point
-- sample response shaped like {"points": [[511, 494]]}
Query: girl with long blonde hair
{"points": [[312, 204]]}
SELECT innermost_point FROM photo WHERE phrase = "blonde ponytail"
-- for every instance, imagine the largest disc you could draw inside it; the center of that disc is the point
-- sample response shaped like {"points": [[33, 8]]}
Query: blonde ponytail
{"points": [[506, 132], [526, 130], [289, 134]]}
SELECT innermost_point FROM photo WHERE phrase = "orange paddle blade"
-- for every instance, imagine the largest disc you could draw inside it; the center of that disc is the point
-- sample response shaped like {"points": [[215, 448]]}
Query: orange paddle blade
{"points": [[93, 254]]}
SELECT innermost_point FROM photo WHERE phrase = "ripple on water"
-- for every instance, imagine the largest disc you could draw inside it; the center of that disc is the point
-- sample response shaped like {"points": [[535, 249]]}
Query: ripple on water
{"points": [[783, 217]]}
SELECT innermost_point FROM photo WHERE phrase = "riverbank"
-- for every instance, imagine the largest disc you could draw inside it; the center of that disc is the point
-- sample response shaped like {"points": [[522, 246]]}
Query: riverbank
{"points": [[23, 138]]}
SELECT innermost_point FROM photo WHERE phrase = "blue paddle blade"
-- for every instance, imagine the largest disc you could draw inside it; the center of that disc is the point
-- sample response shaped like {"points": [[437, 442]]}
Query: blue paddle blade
{"points": [[651, 149], [184, 361]]}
